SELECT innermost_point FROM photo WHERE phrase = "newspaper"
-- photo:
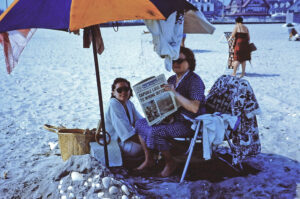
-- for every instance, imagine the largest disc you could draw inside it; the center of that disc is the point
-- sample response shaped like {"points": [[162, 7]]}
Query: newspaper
{"points": [[156, 103]]}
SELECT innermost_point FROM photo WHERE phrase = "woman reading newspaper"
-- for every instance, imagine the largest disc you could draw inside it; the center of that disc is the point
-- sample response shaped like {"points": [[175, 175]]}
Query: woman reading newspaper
{"points": [[121, 117], [188, 89]]}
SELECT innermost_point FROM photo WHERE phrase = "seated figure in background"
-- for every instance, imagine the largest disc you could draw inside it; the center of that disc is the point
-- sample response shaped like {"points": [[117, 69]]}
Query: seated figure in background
{"points": [[294, 35]]}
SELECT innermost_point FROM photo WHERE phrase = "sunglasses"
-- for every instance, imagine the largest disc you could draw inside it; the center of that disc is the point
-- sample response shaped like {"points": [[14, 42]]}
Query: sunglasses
{"points": [[179, 61], [121, 89]]}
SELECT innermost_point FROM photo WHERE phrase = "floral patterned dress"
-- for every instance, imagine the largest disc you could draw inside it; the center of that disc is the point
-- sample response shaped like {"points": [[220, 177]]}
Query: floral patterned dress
{"points": [[244, 105]]}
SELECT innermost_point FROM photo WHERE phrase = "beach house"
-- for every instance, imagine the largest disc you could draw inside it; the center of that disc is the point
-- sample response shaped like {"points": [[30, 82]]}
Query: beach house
{"points": [[210, 8], [255, 9], [279, 8], [293, 13]]}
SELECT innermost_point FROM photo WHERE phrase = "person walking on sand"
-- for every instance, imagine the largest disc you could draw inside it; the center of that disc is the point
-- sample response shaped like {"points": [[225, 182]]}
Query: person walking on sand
{"points": [[242, 51]]}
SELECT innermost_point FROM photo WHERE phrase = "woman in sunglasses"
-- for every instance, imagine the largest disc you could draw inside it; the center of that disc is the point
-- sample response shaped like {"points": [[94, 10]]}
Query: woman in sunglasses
{"points": [[121, 117], [188, 89]]}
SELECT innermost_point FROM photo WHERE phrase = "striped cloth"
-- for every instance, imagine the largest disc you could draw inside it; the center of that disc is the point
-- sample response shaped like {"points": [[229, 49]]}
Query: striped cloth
{"points": [[13, 43]]}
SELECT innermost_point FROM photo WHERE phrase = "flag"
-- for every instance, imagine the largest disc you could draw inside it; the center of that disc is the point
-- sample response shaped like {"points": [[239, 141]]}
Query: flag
{"points": [[13, 43]]}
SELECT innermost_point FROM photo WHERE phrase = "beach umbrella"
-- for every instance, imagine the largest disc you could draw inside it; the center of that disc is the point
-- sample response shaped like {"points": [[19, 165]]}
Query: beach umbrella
{"points": [[289, 25], [75, 14]]}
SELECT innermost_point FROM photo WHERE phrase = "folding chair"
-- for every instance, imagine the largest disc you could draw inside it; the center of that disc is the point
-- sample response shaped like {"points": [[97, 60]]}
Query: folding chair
{"points": [[220, 100], [198, 137]]}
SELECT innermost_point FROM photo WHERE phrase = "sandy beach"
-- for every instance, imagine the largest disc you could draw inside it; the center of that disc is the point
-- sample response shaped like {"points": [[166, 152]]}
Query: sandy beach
{"points": [[54, 83]]}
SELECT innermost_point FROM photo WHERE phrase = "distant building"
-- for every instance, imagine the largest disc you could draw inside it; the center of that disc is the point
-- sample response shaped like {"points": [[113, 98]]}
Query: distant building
{"points": [[247, 8], [210, 8], [293, 13], [279, 6]]}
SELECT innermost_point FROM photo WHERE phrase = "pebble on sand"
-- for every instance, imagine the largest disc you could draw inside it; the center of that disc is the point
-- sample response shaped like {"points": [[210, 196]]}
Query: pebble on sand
{"points": [[125, 189], [106, 182], [76, 176], [113, 190]]}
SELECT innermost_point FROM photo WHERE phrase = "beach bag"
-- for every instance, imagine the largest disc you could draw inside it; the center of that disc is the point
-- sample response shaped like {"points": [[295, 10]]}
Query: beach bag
{"points": [[76, 141], [252, 47]]}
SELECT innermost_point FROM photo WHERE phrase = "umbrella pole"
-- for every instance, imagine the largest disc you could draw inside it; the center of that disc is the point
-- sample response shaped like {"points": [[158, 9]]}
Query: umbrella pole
{"points": [[100, 96]]}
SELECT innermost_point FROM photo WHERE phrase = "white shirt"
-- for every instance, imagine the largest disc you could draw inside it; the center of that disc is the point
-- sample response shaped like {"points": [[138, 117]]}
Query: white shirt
{"points": [[117, 123]]}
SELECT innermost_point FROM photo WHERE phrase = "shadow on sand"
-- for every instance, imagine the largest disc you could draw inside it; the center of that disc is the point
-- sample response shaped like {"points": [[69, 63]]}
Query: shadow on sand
{"points": [[201, 51], [213, 170], [264, 176], [260, 75]]}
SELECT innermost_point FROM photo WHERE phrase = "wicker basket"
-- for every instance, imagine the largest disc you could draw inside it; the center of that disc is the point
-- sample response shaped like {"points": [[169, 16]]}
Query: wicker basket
{"points": [[74, 144], [73, 141]]}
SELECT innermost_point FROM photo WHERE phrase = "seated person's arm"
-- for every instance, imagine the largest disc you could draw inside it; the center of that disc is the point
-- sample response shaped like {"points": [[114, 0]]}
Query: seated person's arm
{"points": [[190, 105], [196, 96]]}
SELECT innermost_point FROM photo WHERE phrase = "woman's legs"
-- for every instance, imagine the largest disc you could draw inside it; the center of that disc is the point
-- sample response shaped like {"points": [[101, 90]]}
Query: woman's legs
{"points": [[157, 137], [235, 66], [170, 164], [243, 69], [149, 161]]}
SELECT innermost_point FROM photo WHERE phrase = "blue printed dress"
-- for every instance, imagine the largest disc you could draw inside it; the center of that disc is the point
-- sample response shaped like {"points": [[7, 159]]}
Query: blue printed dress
{"points": [[157, 136]]}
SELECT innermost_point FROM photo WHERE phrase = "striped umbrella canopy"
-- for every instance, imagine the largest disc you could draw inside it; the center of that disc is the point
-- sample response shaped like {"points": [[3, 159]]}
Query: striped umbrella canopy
{"points": [[76, 14]]}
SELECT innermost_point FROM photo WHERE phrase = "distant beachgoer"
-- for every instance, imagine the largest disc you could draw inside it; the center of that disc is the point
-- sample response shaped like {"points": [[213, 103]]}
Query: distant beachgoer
{"points": [[188, 89], [242, 52], [183, 40], [121, 117], [293, 34]]}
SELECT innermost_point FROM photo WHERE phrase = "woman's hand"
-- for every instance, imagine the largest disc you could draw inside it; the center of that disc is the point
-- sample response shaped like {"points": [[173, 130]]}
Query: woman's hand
{"points": [[190, 105], [169, 87]]}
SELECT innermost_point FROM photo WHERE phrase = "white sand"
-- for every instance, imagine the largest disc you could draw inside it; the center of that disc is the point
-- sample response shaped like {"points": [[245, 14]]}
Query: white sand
{"points": [[55, 83]]}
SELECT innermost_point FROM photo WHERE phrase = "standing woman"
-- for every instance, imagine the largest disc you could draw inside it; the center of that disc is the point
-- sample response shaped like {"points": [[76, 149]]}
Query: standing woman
{"points": [[242, 51], [121, 117], [188, 89]]}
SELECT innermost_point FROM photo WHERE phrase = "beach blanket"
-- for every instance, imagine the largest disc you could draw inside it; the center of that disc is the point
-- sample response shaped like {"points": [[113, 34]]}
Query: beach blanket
{"points": [[230, 49], [13, 43]]}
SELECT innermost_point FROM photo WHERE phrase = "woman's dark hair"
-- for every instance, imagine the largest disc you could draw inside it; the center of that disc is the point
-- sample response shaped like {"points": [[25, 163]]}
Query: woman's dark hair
{"points": [[118, 80], [239, 20], [190, 57]]}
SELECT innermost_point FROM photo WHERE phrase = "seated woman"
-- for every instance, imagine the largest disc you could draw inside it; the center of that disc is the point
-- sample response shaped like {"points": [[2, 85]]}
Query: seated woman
{"points": [[121, 117], [188, 89], [294, 35]]}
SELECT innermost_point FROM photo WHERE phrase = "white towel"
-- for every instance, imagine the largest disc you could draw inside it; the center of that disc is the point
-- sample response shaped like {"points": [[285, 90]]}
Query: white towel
{"points": [[214, 127], [167, 36]]}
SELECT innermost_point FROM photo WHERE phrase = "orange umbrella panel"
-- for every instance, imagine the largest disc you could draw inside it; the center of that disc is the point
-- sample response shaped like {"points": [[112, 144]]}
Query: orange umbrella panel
{"points": [[88, 12]]}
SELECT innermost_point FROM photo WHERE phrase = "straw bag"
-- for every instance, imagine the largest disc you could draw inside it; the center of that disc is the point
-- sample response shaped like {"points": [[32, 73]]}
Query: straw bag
{"points": [[76, 141]]}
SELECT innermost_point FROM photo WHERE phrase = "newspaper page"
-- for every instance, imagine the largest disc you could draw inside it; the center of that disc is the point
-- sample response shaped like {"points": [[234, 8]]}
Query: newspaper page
{"points": [[156, 103]]}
